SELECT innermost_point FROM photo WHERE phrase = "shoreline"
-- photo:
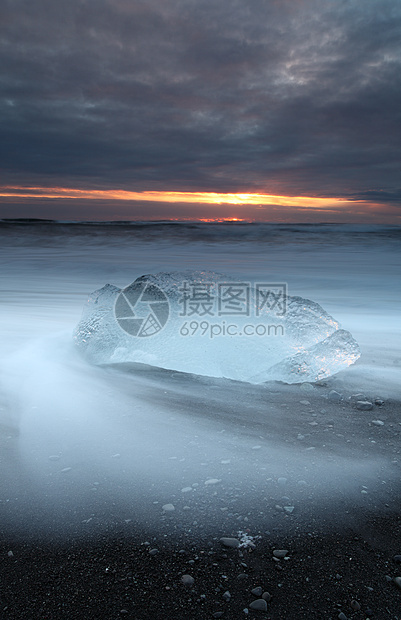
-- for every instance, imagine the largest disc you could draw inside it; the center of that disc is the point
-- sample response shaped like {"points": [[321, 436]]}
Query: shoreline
{"points": [[306, 473]]}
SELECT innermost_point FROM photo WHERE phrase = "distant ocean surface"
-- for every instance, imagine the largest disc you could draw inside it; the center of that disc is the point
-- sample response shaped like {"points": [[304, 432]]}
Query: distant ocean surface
{"points": [[210, 231]]}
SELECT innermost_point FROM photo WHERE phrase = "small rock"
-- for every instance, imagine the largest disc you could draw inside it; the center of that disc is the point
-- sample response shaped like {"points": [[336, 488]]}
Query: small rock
{"points": [[378, 422], [282, 481], [355, 606], [334, 396], [168, 508], [267, 596], [342, 616], [153, 551], [307, 387], [227, 596], [280, 553], [187, 580], [259, 605], [364, 405], [218, 614], [397, 559], [233, 543], [397, 581], [212, 481], [379, 402], [289, 509], [257, 591], [10, 554], [304, 402]]}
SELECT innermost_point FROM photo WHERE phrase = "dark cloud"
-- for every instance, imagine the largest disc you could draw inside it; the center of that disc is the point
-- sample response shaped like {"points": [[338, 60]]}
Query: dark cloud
{"points": [[292, 97]]}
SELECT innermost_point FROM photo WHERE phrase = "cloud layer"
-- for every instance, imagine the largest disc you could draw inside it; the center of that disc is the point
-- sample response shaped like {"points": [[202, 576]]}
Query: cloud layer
{"points": [[294, 97]]}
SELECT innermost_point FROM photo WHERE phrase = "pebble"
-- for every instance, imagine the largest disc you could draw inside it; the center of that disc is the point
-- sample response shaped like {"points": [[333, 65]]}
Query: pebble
{"points": [[168, 508], [10, 554], [267, 596], [342, 616], [212, 481], [186, 489], [304, 402], [397, 559], [153, 551], [257, 591], [259, 605], [378, 422], [334, 396], [227, 596], [397, 581], [187, 580], [282, 481], [379, 402], [307, 387], [289, 509], [280, 553], [233, 543], [355, 606], [364, 405], [218, 614]]}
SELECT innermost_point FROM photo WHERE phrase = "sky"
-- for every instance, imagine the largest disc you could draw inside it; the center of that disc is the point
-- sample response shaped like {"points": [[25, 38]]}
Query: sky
{"points": [[262, 110]]}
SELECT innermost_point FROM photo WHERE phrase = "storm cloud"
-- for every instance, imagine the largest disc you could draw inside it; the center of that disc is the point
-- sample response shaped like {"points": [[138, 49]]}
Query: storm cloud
{"points": [[298, 97]]}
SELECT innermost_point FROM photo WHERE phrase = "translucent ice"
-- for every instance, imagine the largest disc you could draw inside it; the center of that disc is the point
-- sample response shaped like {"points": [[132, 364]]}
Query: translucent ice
{"points": [[205, 323]]}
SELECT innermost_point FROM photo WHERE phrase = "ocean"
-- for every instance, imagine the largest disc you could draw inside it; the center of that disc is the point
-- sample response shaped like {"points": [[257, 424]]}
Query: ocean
{"points": [[86, 446]]}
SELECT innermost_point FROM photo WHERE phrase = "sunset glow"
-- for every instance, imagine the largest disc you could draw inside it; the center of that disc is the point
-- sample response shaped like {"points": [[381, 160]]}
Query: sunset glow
{"points": [[172, 197]]}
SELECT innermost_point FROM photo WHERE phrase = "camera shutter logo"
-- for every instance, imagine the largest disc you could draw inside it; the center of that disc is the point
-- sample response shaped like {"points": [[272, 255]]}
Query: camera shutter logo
{"points": [[141, 309]]}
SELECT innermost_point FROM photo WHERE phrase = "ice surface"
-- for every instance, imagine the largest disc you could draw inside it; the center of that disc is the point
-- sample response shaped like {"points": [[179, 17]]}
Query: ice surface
{"points": [[150, 323]]}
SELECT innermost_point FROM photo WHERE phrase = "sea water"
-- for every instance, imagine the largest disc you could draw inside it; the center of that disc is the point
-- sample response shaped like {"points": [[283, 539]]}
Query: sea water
{"points": [[75, 429]]}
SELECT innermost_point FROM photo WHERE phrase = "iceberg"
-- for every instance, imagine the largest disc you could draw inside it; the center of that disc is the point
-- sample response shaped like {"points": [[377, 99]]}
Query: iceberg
{"points": [[205, 323]]}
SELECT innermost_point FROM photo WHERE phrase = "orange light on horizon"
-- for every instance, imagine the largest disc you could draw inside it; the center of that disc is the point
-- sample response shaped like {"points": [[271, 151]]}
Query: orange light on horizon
{"points": [[173, 197]]}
